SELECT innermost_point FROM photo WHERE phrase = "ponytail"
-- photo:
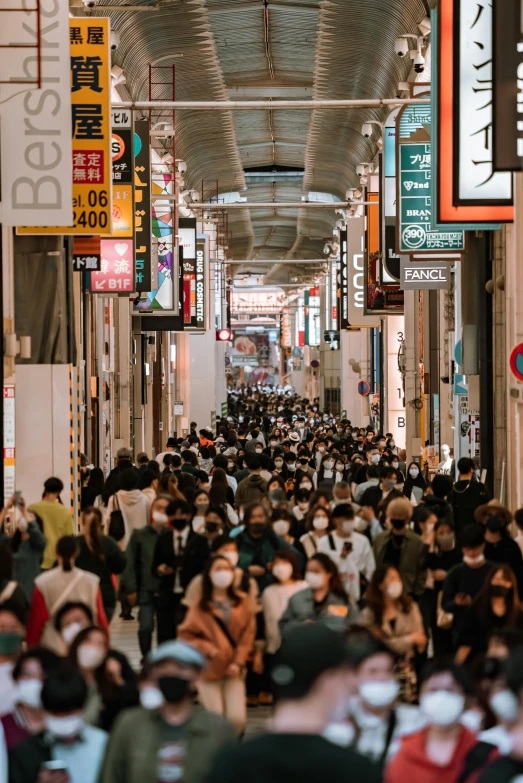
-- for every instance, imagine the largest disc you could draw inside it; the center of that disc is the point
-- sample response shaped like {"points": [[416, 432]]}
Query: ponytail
{"points": [[93, 526], [66, 550]]}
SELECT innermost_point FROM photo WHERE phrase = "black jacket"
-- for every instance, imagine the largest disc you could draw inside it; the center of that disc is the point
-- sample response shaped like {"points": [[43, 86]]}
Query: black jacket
{"points": [[190, 563], [464, 498]]}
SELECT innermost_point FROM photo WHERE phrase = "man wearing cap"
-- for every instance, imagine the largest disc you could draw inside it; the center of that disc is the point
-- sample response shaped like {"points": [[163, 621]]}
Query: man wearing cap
{"points": [[313, 682], [169, 737]]}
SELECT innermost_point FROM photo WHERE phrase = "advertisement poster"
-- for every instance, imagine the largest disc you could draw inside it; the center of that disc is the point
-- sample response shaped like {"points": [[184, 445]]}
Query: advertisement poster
{"points": [[258, 357], [116, 275]]}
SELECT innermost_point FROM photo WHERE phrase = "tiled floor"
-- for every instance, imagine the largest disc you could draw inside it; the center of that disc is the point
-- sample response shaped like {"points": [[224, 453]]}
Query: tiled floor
{"points": [[124, 637]]}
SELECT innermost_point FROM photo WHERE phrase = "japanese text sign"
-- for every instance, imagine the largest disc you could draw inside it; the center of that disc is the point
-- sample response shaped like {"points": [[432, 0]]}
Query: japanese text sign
{"points": [[142, 211], [415, 205], [86, 254], [91, 129], [116, 275]]}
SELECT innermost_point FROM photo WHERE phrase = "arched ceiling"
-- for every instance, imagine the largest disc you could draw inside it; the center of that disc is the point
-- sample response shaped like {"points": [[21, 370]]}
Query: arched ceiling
{"points": [[241, 49]]}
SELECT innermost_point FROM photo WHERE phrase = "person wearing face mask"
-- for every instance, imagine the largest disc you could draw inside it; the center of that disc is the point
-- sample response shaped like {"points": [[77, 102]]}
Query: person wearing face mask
{"points": [[201, 503], [27, 717], [140, 584], [379, 719], [280, 466], [504, 705], [303, 482], [373, 459], [374, 494], [257, 544], [350, 550], [68, 749], [199, 547], [398, 546], [313, 680], [324, 600], [396, 619], [177, 738], [443, 749], [13, 620], [302, 500], [286, 582], [281, 523], [169, 560], [321, 450], [495, 607], [20, 530], [466, 495], [443, 557], [318, 524], [415, 484], [325, 478], [70, 619], [222, 627], [110, 679], [99, 554], [500, 547]]}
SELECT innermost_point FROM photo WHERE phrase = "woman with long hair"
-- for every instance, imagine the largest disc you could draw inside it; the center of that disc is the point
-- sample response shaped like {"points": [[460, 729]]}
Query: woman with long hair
{"points": [[318, 523], [395, 618], [415, 484], [222, 626], [496, 606], [108, 674], [59, 586], [168, 485], [323, 600], [92, 491], [22, 532], [325, 478], [222, 496], [101, 555]]}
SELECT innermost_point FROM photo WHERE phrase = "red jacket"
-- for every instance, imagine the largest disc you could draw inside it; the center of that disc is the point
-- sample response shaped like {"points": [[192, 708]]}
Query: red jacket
{"points": [[412, 764]]}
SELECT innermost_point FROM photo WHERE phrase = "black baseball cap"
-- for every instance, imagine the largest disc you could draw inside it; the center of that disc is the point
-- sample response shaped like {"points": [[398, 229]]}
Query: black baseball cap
{"points": [[306, 653]]}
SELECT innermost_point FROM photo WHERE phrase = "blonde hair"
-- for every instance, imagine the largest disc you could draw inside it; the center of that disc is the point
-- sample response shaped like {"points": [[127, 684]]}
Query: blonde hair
{"points": [[400, 508]]}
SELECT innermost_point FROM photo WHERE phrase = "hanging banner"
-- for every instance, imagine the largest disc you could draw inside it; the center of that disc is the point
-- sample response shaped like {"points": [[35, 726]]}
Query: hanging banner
{"points": [[142, 206], [116, 275], [187, 241], [9, 441], [36, 146], [507, 69], [380, 296], [352, 255], [468, 189], [90, 100], [122, 161], [343, 283]]}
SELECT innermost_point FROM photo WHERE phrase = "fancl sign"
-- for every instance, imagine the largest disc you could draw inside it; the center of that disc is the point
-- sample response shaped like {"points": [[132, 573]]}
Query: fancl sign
{"points": [[416, 275]]}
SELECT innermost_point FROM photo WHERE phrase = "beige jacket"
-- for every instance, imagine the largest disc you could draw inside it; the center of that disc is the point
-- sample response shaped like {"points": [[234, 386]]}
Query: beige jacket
{"points": [[407, 623]]}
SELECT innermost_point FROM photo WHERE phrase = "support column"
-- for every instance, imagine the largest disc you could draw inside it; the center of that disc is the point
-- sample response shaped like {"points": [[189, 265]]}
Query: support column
{"points": [[412, 380], [354, 352], [183, 382]]}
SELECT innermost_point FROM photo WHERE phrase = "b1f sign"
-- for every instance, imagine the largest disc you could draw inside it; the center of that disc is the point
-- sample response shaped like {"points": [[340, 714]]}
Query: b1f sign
{"points": [[423, 275], [36, 138]]}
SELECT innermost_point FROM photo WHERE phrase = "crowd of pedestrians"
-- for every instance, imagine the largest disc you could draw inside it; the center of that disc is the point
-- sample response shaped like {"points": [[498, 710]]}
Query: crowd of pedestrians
{"points": [[288, 559]]}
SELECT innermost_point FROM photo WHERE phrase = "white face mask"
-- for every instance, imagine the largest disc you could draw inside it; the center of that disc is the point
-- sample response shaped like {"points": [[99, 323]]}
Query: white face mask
{"points": [[230, 465], [70, 632], [395, 464], [90, 657], [160, 518], [320, 523], [394, 589], [232, 557], [29, 692], [473, 720], [375, 458], [321, 449], [23, 524], [505, 706], [282, 571], [472, 561], [151, 698], [340, 467], [314, 579], [65, 727], [379, 694], [278, 463], [222, 579], [360, 524], [442, 708], [328, 464], [303, 506], [281, 527], [305, 485], [347, 527], [414, 472], [291, 465], [341, 734]]}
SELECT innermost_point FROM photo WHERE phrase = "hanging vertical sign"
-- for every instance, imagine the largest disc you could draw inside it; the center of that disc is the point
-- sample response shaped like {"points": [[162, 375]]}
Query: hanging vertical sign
{"points": [[352, 254], [122, 167], [343, 306], [187, 241], [142, 206], [116, 275], [468, 188], [507, 72], [201, 285], [90, 99], [36, 147], [9, 441]]}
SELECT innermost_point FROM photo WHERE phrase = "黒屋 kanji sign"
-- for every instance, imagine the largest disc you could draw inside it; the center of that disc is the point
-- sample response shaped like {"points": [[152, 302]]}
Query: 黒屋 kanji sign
{"points": [[415, 229]]}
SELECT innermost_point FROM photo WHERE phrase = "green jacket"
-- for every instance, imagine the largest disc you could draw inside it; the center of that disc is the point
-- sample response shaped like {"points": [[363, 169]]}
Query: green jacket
{"points": [[413, 566], [132, 751], [140, 553], [337, 613]]}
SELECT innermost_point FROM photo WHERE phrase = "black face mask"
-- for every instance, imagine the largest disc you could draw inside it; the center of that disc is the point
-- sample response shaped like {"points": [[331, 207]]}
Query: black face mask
{"points": [[179, 524], [174, 689], [499, 591], [257, 528], [494, 525], [397, 524], [212, 527]]}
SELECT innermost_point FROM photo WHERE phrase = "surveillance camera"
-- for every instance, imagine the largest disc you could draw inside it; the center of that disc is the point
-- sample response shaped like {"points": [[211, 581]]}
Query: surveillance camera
{"points": [[327, 248], [419, 63], [195, 195], [401, 47], [90, 3], [115, 39], [181, 166], [366, 130], [357, 194], [349, 194], [340, 224], [360, 169]]}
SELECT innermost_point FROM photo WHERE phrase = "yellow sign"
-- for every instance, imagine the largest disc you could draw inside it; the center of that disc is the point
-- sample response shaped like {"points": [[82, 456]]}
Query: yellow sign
{"points": [[123, 211], [91, 114]]}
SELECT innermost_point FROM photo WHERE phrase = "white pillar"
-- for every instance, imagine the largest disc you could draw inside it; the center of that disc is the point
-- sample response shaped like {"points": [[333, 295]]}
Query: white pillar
{"points": [[354, 348], [412, 384], [393, 404]]}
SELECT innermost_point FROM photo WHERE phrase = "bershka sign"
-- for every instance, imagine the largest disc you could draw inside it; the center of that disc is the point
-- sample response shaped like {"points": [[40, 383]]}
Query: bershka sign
{"points": [[429, 276], [36, 139]]}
